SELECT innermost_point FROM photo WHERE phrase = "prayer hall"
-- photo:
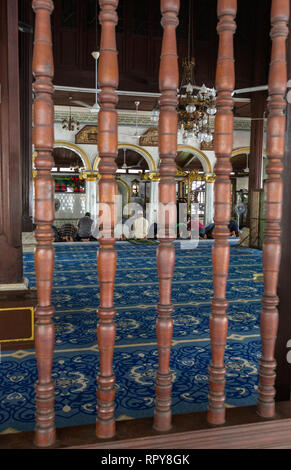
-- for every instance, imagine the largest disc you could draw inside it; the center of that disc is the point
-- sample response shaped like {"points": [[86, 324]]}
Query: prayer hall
{"points": [[145, 212]]}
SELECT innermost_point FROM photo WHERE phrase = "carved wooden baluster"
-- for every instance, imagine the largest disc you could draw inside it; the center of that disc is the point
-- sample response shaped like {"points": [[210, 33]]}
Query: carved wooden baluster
{"points": [[108, 149], [226, 10], [168, 126], [273, 205], [43, 135]]}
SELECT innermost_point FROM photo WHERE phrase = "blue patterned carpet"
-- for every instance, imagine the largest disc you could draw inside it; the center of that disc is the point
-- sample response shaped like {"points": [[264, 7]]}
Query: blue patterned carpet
{"points": [[76, 360]]}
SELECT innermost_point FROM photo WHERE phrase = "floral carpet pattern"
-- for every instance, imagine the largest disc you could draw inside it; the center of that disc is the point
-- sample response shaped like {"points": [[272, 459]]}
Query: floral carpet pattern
{"points": [[76, 359]]}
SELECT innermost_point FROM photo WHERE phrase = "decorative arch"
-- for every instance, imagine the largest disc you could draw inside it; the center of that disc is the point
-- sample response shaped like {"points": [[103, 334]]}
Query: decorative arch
{"points": [[144, 153], [199, 154], [77, 150], [247, 150]]}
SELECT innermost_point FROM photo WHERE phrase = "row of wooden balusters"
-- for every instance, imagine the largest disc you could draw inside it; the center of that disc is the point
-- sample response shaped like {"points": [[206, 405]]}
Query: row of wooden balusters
{"points": [[45, 433]]}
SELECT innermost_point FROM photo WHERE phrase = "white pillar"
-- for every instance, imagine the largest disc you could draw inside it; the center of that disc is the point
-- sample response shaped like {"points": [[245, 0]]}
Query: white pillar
{"points": [[152, 210], [209, 202], [91, 198]]}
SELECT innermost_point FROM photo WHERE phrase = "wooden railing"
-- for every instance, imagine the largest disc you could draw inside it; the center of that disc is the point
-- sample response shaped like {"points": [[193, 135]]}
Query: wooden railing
{"points": [[273, 205], [43, 138], [168, 128], [107, 257], [266, 426], [225, 81]]}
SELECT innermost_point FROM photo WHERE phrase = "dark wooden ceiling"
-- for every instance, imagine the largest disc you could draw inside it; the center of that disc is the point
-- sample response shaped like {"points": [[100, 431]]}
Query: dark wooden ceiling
{"points": [[239, 164], [76, 33], [124, 102], [139, 36], [188, 161], [65, 158]]}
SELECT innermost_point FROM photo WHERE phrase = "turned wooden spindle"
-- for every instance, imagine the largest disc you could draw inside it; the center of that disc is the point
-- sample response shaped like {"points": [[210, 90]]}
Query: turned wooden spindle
{"points": [[273, 205], [108, 149], [226, 11], [168, 127], [43, 137]]}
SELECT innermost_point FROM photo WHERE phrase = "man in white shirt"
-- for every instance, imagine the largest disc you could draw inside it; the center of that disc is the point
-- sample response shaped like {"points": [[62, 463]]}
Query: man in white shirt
{"points": [[140, 226]]}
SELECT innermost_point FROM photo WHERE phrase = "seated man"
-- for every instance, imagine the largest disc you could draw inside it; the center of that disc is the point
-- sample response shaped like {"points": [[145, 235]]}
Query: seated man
{"points": [[85, 228], [181, 227], [57, 235], [195, 225], [68, 232], [209, 230], [140, 226], [182, 231], [233, 228], [153, 231]]}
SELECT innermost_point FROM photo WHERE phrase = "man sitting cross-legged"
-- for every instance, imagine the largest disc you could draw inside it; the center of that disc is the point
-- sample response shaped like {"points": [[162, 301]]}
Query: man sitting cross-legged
{"points": [[85, 226]]}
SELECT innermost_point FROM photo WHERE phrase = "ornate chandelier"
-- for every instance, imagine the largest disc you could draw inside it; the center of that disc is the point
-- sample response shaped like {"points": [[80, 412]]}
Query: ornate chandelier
{"points": [[70, 124], [195, 106]]}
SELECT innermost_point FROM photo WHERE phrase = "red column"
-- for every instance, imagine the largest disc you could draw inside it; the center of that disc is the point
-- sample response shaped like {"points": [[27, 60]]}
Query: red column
{"points": [[273, 205], [226, 11], [108, 150], [43, 138], [168, 127]]}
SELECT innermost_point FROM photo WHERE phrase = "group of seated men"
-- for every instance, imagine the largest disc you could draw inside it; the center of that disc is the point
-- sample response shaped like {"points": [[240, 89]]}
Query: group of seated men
{"points": [[190, 228], [137, 227], [69, 233]]}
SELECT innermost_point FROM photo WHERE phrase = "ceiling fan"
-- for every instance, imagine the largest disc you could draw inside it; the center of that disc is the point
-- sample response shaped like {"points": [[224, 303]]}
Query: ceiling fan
{"points": [[95, 108], [250, 89], [125, 166], [144, 94], [237, 92], [247, 170], [136, 134]]}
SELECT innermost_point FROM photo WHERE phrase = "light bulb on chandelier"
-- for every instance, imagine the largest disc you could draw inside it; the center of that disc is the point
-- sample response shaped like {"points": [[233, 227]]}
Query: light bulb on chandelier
{"points": [[190, 108]]}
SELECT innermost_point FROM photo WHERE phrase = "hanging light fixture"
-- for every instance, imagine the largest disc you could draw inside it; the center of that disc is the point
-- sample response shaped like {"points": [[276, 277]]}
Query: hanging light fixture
{"points": [[195, 104], [195, 107], [155, 113], [137, 103], [70, 124], [135, 187], [96, 108]]}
